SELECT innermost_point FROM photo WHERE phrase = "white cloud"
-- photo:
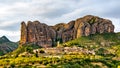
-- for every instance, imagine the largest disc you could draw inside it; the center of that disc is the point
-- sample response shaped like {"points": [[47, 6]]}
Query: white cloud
{"points": [[12, 35], [116, 22], [8, 23]]}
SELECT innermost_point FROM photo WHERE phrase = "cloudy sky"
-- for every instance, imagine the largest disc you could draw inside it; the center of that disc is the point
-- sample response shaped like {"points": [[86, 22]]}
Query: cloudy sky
{"points": [[12, 12]]}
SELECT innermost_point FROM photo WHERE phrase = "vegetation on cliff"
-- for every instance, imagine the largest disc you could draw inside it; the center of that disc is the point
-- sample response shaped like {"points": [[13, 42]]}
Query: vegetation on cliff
{"points": [[106, 47], [98, 40]]}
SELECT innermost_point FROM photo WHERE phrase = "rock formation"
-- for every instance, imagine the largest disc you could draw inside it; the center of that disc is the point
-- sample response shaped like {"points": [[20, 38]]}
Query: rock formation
{"points": [[37, 33], [64, 31], [23, 37], [46, 36], [91, 25]]}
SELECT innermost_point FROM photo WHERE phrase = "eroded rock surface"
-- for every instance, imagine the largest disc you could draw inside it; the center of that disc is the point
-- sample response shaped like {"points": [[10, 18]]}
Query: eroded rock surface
{"points": [[91, 25], [38, 33], [47, 36]]}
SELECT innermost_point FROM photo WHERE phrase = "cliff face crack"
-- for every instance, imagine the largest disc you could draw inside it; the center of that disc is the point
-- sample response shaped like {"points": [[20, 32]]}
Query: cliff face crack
{"points": [[47, 36]]}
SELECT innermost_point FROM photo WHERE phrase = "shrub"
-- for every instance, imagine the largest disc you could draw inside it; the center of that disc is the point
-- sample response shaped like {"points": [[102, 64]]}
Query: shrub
{"points": [[42, 51], [12, 65]]}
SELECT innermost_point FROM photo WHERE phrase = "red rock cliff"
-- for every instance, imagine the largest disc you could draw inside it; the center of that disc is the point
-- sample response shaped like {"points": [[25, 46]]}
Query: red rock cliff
{"points": [[46, 36]]}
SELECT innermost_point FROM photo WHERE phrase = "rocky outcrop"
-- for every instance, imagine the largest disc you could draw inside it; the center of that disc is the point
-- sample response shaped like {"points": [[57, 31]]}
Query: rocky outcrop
{"points": [[64, 31], [91, 25], [23, 37], [47, 36], [69, 32], [38, 33]]}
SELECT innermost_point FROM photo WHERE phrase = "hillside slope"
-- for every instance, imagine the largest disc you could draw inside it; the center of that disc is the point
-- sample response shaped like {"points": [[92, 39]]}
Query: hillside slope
{"points": [[94, 51], [6, 45], [103, 40]]}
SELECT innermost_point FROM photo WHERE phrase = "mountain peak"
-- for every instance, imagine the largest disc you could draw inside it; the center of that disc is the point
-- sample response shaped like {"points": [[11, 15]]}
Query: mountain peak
{"points": [[4, 39]]}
